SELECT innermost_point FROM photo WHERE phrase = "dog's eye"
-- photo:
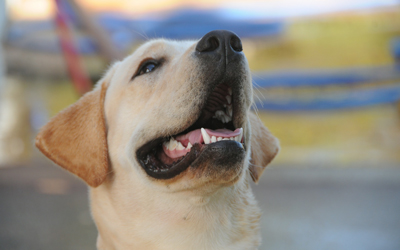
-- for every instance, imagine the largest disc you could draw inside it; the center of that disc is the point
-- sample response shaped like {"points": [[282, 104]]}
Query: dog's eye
{"points": [[147, 67]]}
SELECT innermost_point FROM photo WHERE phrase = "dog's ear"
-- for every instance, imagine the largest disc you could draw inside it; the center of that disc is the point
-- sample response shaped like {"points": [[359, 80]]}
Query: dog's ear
{"points": [[76, 139], [264, 147]]}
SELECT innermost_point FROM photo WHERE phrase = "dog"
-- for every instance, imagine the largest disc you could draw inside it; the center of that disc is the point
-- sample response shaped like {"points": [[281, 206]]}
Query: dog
{"points": [[167, 144]]}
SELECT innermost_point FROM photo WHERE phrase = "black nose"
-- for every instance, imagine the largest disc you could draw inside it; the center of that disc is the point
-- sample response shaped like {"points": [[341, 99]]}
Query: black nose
{"points": [[220, 41]]}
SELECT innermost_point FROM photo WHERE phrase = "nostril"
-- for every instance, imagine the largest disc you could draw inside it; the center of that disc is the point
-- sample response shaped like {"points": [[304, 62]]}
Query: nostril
{"points": [[207, 45], [236, 44], [214, 43]]}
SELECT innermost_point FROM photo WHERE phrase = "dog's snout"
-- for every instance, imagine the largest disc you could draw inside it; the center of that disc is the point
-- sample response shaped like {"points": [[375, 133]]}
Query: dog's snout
{"points": [[220, 42]]}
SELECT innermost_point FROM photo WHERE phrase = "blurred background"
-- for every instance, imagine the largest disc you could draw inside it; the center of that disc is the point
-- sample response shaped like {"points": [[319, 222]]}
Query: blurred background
{"points": [[327, 79]]}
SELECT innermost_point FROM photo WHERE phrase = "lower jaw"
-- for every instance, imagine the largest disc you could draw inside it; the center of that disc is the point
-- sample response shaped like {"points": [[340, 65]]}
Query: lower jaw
{"points": [[156, 168], [220, 154]]}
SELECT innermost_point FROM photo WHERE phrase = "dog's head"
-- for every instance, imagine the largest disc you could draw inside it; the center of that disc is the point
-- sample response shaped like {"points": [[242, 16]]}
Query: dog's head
{"points": [[174, 114]]}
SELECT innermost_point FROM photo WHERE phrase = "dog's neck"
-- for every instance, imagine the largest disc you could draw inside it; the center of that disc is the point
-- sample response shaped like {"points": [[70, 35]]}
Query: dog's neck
{"points": [[226, 219]]}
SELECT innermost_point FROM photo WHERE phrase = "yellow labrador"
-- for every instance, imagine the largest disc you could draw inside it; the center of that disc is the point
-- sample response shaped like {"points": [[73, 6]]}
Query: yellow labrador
{"points": [[166, 142]]}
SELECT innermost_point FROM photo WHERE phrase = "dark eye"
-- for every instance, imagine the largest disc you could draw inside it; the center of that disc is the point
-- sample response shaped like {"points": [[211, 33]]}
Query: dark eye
{"points": [[147, 68]]}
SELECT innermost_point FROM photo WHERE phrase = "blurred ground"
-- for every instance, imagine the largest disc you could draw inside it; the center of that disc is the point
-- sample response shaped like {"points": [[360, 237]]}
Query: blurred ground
{"points": [[44, 208], [314, 207]]}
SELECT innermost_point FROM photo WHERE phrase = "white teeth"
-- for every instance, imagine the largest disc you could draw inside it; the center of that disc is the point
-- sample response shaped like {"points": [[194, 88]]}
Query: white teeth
{"points": [[240, 136], [229, 110], [172, 144], [229, 99], [180, 146], [230, 91], [206, 137], [220, 115], [223, 119]]}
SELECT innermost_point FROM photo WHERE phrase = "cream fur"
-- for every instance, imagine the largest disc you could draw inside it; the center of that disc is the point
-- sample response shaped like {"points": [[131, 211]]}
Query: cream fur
{"points": [[193, 210]]}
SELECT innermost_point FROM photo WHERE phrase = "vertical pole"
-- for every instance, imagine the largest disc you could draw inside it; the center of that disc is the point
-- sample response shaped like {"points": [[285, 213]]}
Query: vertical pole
{"points": [[15, 141], [2, 29]]}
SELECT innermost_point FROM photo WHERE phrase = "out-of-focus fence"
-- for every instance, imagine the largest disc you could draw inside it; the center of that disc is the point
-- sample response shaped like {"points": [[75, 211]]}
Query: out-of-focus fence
{"points": [[352, 93]]}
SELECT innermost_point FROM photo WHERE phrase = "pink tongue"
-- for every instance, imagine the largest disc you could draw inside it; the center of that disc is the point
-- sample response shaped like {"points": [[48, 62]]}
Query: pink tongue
{"points": [[196, 137], [223, 132]]}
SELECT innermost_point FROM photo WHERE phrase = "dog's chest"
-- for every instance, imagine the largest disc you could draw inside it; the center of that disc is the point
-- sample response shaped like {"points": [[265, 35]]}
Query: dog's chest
{"points": [[176, 225]]}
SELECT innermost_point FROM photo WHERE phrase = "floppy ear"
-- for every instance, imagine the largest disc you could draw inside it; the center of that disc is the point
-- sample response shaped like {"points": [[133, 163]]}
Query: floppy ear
{"points": [[264, 147], [75, 139]]}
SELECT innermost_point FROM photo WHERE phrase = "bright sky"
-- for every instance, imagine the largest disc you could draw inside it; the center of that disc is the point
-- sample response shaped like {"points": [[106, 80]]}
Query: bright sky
{"points": [[43, 9]]}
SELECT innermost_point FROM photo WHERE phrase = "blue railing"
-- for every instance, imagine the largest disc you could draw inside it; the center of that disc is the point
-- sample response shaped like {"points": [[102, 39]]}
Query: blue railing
{"points": [[356, 96], [353, 98], [348, 76]]}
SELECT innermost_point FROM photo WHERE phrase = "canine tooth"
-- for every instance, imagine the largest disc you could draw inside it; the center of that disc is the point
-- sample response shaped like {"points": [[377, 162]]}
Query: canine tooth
{"points": [[189, 146], [206, 137], [180, 146], [213, 139], [240, 136], [230, 91], [229, 99], [219, 138]]}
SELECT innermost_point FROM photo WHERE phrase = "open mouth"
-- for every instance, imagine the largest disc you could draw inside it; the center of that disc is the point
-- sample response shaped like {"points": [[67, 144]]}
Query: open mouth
{"points": [[166, 157]]}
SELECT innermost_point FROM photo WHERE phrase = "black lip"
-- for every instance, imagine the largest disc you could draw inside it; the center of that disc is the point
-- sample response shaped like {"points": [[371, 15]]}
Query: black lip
{"points": [[171, 172], [221, 153]]}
